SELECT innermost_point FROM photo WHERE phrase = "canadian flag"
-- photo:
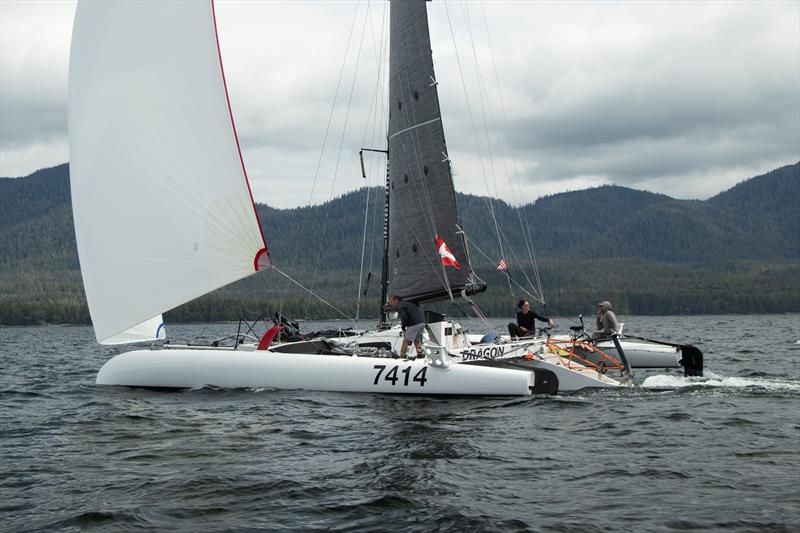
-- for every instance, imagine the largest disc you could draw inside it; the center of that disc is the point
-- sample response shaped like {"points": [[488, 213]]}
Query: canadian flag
{"points": [[448, 259]]}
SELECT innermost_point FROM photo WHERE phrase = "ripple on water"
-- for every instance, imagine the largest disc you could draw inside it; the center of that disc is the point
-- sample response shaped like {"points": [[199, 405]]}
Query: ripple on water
{"points": [[717, 452]]}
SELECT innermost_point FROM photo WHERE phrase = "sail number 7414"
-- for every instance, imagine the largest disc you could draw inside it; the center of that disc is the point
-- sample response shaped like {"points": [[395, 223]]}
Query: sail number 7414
{"points": [[395, 375]]}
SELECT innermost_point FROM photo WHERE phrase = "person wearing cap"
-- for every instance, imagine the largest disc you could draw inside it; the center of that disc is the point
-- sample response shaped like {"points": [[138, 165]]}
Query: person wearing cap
{"points": [[412, 323], [526, 321], [606, 320]]}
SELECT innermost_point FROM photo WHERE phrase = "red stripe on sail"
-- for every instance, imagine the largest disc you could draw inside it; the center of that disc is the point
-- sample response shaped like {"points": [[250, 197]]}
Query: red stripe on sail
{"points": [[262, 259], [256, 260]]}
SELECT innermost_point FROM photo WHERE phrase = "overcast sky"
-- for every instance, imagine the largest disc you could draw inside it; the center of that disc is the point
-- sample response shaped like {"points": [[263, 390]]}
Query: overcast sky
{"points": [[684, 98]]}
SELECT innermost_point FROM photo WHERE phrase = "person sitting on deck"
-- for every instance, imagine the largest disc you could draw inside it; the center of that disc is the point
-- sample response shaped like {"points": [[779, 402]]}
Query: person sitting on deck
{"points": [[606, 320], [411, 321], [526, 321]]}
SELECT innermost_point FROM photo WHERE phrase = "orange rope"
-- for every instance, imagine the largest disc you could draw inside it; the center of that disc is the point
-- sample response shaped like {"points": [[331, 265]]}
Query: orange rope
{"points": [[553, 346]]}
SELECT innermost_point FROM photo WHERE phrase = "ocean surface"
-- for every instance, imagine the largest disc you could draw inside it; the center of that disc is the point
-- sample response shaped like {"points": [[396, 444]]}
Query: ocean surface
{"points": [[720, 452]]}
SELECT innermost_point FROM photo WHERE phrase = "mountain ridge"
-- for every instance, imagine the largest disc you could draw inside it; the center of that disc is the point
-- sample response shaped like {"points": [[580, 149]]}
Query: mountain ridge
{"points": [[607, 241]]}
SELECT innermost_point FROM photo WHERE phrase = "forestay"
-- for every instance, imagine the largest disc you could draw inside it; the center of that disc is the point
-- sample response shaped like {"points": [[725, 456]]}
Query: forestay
{"points": [[163, 211], [422, 200]]}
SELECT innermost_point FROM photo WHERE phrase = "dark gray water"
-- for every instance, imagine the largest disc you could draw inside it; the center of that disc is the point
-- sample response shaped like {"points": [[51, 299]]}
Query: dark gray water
{"points": [[717, 453]]}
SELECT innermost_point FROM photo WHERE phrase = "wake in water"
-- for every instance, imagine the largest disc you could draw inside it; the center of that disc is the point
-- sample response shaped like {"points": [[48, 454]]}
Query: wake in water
{"points": [[665, 381]]}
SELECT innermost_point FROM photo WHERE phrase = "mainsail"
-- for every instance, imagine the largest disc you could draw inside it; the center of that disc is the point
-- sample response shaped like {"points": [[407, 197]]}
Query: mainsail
{"points": [[422, 202], [163, 211]]}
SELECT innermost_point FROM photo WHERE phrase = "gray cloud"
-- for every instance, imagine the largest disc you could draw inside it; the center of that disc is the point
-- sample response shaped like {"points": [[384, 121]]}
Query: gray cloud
{"points": [[25, 121], [33, 82], [675, 99], [685, 99]]}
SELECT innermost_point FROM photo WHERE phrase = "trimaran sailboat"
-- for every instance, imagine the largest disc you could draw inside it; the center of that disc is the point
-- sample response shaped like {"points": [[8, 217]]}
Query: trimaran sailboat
{"points": [[164, 213], [421, 208]]}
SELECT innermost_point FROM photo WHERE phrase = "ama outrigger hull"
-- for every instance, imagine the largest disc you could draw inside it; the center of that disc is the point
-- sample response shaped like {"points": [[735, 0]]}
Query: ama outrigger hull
{"points": [[511, 354], [643, 354], [188, 368], [528, 355], [646, 353]]}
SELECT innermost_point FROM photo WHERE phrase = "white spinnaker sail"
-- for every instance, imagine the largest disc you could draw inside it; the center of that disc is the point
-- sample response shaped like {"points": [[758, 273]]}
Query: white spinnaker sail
{"points": [[149, 330], [163, 211]]}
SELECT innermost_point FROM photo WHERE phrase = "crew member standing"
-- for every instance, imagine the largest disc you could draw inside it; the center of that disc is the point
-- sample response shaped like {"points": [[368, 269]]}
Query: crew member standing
{"points": [[411, 321]]}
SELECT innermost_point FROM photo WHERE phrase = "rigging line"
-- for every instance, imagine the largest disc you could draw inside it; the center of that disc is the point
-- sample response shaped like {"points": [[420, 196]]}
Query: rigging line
{"points": [[378, 122], [339, 155], [410, 228], [481, 316], [426, 206], [473, 276], [482, 97], [471, 119], [526, 291], [372, 114], [520, 209], [524, 272], [427, 213], [524, 227], [477, 312], [363, 243], [469, 107], [532, 251], [364, 232], [532, 255], [333, 105], [509, 277], [518, 263], [431, 213], [372, 118], [363, 248], [375, 47], [383, 73], [416, 143], [312, 293], [484, 100], [282, 295], [373, 239], [410, 116]]}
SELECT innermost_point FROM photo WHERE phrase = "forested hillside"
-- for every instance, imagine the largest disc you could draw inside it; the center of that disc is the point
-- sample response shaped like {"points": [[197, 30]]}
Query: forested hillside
{"points": [[736, 252]]}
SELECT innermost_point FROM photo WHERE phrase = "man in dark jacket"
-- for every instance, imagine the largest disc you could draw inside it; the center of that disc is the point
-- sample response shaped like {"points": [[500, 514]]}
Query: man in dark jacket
{"points": [[411, 321], [526, 321]]}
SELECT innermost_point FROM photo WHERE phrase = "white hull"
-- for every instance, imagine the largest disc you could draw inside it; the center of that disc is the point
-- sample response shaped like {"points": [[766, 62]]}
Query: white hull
{"points": [[571, 378], [189, 368], [640, 354], [644, 354]]}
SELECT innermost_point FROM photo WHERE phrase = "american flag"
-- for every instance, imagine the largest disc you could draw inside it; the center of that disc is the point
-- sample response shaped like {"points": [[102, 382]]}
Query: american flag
{"points": [[502, 265]]}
